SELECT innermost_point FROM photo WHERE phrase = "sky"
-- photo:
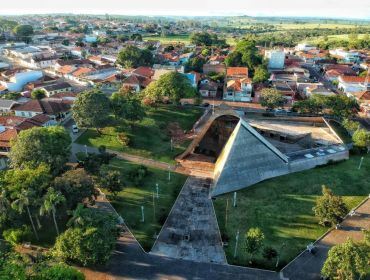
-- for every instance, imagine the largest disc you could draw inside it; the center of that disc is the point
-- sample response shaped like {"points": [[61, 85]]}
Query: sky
{"points": [[311, 8]]}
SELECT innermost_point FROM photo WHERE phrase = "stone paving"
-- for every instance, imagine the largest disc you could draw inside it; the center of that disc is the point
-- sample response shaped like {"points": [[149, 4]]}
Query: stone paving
{"points": [[191, 230]]}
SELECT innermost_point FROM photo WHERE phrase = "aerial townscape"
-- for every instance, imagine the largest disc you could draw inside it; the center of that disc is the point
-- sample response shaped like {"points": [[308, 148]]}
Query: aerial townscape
{"points": [[194, 143]]}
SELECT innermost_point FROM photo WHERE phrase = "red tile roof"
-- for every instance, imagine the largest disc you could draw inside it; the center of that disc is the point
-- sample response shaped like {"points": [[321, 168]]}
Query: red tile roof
{"points": [[237, 71], [352, 79], [7, 136], [144, 71]]}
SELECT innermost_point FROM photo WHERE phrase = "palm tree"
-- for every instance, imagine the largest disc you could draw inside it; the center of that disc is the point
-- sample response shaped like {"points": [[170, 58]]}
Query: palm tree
{"points": [[23, 201], [51, 199], [77, 218]]}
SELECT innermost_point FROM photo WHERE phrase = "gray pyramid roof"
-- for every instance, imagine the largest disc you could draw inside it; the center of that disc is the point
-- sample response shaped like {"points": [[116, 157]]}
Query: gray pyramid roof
{"points": [[246, 159]]}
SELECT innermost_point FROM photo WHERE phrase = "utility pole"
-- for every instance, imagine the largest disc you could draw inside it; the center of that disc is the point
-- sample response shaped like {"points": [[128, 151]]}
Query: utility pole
{"points": [[142, 214], [362, 159], [227, 206], [153, 207], [236, 243]]}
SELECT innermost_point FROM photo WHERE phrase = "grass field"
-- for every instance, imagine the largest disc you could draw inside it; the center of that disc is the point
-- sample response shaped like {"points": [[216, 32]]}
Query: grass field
{"points": [[149, 138], [129, 201], [282, 208], [331, 38], [185, 39]]}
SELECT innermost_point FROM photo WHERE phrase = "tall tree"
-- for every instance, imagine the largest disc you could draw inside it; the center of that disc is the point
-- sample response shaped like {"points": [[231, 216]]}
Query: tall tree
{"points": [[127, 106], [51, 200], [50, 145], [132, 57], [173, 86], [254, 241], [330, 209], [361, 138], [23, 201], [91, 110], [271, 98], [38, 94], [347, 261], [24, 32]]}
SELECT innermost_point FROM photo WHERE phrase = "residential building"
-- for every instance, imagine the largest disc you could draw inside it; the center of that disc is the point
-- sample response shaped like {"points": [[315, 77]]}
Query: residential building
{"points": [[350, 84], [276, 59], [238, 86]]}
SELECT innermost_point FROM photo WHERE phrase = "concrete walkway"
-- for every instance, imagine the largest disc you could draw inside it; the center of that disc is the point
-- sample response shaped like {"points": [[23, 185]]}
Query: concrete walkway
{"points": [[76, 148], [191, 230], [308, 266]]}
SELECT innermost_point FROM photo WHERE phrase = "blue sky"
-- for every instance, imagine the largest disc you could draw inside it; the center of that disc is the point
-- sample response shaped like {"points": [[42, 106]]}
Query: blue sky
{"points": [[315, 8]]}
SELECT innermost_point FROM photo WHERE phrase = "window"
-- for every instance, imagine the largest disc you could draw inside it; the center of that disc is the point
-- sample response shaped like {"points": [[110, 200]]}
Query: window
{"points": [[23, 114]]}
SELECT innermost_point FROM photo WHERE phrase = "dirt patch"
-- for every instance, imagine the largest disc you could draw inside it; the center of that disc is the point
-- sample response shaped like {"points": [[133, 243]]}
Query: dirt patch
{"points": [[177, 133]]}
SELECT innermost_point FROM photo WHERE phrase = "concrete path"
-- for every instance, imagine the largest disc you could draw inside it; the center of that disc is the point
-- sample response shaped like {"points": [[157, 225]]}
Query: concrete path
{"points": [[129, 157], [191, 230], [308, 266]]}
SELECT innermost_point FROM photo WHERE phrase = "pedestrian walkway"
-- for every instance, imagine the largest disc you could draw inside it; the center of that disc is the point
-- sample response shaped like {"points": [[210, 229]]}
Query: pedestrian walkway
{"points": [[308, 266], [191, 230]]}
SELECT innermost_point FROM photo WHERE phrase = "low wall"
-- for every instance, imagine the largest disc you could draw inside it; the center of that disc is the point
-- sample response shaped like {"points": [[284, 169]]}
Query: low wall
{"points": [[304, 164]]}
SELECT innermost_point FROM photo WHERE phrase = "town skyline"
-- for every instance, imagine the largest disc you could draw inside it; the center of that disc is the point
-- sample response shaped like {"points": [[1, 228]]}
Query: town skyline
{"points": [[359, 9]]}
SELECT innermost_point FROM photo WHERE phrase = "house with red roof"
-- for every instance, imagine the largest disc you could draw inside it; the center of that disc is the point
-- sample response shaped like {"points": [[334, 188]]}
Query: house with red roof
{"points": [[350, 84], [238, 86]]}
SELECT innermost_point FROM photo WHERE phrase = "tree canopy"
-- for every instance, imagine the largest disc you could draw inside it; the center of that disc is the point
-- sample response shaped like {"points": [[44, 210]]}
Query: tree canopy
{"points": [[132, 57], [254, 241], [206, 39], [127, 106], [23, 32], [347, 261], [91, 110], [50, 145], [330, 209], [90, 242], [271, 98], [173, 86], [38, 94], [245, 54]]}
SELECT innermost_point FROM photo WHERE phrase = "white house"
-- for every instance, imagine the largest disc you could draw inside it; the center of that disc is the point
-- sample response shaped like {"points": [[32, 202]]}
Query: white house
{"points": [[347, 56], [19, 80], [276, 59], [349, 84], [304, 47]]}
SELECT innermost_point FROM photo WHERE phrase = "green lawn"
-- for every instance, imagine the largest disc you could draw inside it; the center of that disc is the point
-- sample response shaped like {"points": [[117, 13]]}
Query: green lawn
{"points": [[149, 138], [185, 39], [129, 201], [282, 208]]}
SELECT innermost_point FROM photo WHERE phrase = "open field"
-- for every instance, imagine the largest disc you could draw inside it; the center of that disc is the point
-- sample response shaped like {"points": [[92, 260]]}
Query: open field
{"points": [[170, 39], [129, 201], [282, 208], [331, 38], [150, 137]]}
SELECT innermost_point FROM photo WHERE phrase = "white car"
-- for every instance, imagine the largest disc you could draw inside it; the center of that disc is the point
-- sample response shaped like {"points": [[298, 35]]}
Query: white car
{"points": [[75, 128]]}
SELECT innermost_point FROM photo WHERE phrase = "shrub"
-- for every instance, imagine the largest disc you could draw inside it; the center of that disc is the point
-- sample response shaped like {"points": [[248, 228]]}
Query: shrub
{"points": [[16, 236], [123, 139], [138, 174]]}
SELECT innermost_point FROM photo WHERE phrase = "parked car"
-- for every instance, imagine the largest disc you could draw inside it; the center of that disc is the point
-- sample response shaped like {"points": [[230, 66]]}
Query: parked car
{"points": [[75, 129]]}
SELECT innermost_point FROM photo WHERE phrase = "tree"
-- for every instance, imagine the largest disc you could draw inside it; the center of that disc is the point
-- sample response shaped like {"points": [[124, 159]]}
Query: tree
{"points": [[22, 202], [91, 243], [91, 110], [361, 138], [127, 106], [132, 57], [24, 32], [245, 54], [38, 94], [260, 74], [350, 125], [51, 199], [341, 105], [347, 261], [76, 186], [206, 39], [136, 37], [195, 64], [330, 209], [311, 106], [254, 241], [50, 145], [173, 86], [111, 180], [271, 98]]}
